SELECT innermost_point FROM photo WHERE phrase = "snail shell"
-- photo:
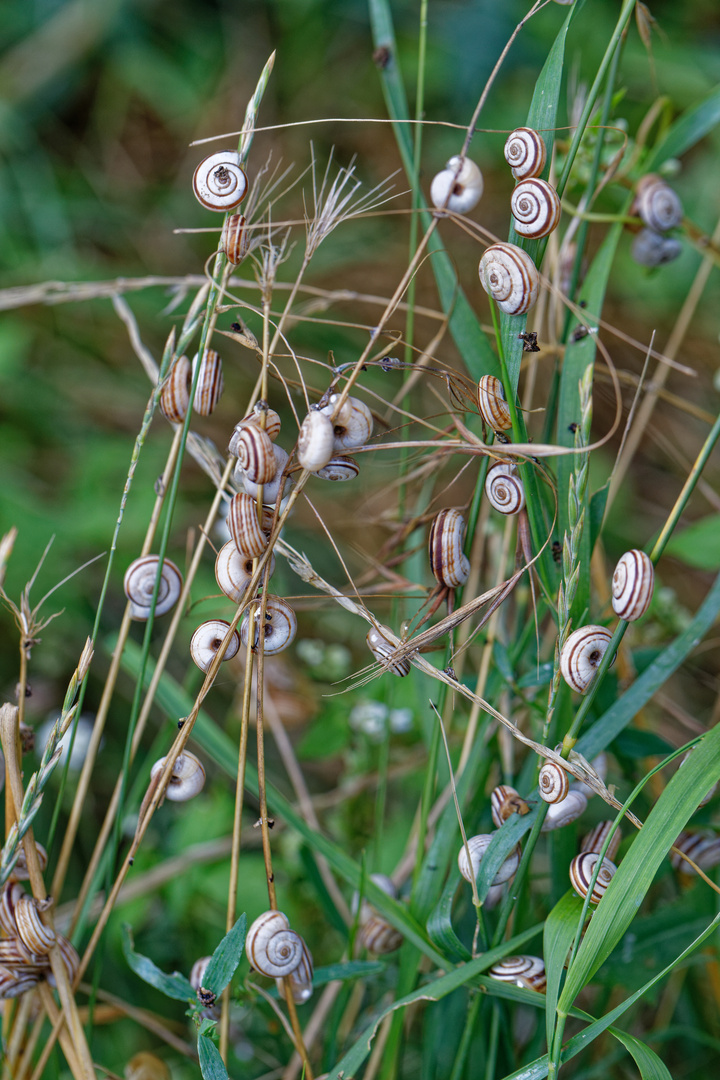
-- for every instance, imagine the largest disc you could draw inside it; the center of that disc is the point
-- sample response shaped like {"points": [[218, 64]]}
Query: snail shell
{"points": [[492, 404], [37, 937], [316, 441], [595, 839], [17, 957], [8, 907], [255, 455], [702, 847], [504, 488], [235, 239], [376, 934], [339, 469], [13, 984], [632, 585], [657, 204], [187, 778], [564, 812], [353, 425], [208, 638], [210, 382], [447, 562], [458, 187], [280, 625], [274, 487], [139, 585], [582, 869], [504, 802], [509, 275], [233, 571], [477, 845], [553, 782], [381, 648], [272, 947], [650, 248], [300, 979], [70, 959], [175, 393], [525, 153], [536, 208], [261, 412], [581, 655], [248, 535], [20, 870], [524, 971], [220, 182]]}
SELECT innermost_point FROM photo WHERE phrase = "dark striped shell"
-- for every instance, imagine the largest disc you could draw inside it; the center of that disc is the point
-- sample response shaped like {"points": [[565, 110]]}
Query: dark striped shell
{"points": [[492, 404], [175, 393], [245, 529], [702, 847], [595, 839], [255, 454], [581, 655], [524, 971], [447, 562], [582, 869], [536, 208], [210, 383], [509, 275], [235, 240], [553, 782], [632, 585], [525, 152], [504, 802]]}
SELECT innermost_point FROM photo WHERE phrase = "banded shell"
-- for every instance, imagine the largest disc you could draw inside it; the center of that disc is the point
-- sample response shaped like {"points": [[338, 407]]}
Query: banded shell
{"points": [[316, 441], [9, 897], [492, 404], [261, 416], [553, 782], [597, 836], [35, 935], [187, 778], [504, 802], [525, 152], [274, 487], [650, 248], [219, 181], [566, 811], [235, 239], [16, 956], [632, 585], [382, 648], [70, 959], [139, 585], [247, 532], [535, 205], [210, 382], [233, 571], [504, 489], [447, 562], [582, 869], [509, 275], [208, 638], [175, 393], [657, 204], [339, 469], [279, 629], [255, 455], [353, 425], [272, 947], [477, 846], [300, 979], [524, 971], [458, 187], [582, 654], [702, 847], [13, 983], [376, 934]]}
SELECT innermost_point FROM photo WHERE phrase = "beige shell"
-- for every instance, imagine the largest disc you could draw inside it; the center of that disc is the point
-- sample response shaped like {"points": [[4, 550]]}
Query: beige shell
{"points": [[35, 935], [566, 811], [274, 487], [235, 238], [525, 152], [246, 531], [657, 204], [13, 984], [702, 847], [255, 454], [504, 802], [458, 187], [208, 638], [233, 571], [219, 182], [16, 956], [378, 936], [339, 469], [316, 441], [263, 417], [187, 778], [353, 425], [447, 562], [381, 648], [553, 782], [139, 584], [210, 382], [300, 979], [524, 971], [175, 393], [70, 959], [280, 625], [582, 869], [632, 585], [9, 897], [597, 836], [477, 845], [492, 404], [509, 275], [272, 947], [504, 488], [535, 205], [582, 654]]}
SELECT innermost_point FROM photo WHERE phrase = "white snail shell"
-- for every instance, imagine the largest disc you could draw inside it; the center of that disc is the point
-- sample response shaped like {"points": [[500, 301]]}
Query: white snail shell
{"points": [[524, 971], [553, 782], [187, 778], [477, 845], [233, 571], [657, 204], [272, 947], [262, 417], [650, 248], [247, 532], [175, 393], [220, 182], [382, 649], [301, 985], [255, 455], [276, 486], [139, 584], [504, 802], [595, 839], [504, 489], [564, 812], [339, 469], [208, 638], [316, 441], [37, 937], [581, 655], [447, 562], [702, 847], [210, 382], [536, 208], [462, 181], [525, 153], [279, 629], [235, 239], [353, 425], [492, 404], [509, 275], [632, 585], [582, 869]]}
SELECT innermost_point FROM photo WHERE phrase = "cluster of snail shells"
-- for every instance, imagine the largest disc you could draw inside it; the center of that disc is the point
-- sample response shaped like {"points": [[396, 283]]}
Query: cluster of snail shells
{"points": [[323, 436], [535, 204], [174, 399], [492, 405], [458, 187], [260, 462], [26, 943], [660, 209], [375, 933], [504, 488], [187, 778], [449, 565], [382, 648], [565, 804], [139, 585], [278, 952], [523, 971]]}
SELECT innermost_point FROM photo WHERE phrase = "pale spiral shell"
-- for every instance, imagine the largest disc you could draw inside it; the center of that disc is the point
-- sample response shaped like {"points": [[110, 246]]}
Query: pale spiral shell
{"points": [[582, 654], [702, 847], [208, 638], [13, 983], [566, 811], [582, 869], [210, 382], [492, 404], [276, 486], [272, 947], [139, 584], [20, 870], [233, 571], [255, 454], [382, 648], [339, 469], [316, 441], [509, 275], [279, 629], [657, 204], [632, 585], [524, 971], [263, 417], [187, 778], [504, 802], [300, 979], [597, 836], [477, 846], [553, 782], [536, 208], [9, 897], [175, 393], [220, 182], [248, 535], [525, 152], [235, 239], [504, 489], [37, 937], [460, 183], [447, 562], [376, 934], [650, 248], [353, 425]]}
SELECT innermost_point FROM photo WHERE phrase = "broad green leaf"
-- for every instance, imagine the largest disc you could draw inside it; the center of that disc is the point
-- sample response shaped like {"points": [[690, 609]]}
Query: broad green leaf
{"points": [[647, 1061], [561, 927], [226, 958], [693, 125], [173, 986], [212, 1065], [440, 928], [698, 544]]}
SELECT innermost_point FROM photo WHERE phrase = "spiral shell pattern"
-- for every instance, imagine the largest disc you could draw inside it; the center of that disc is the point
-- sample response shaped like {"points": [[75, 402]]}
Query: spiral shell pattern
{"points": [[280, 625], [525, 153], [524, 971], [235, 239], [536, 208], [70, 959], [272, 947], [274, 488], [582, 869], [458, 187], [582, 654], [208, 638], [219, 182], [632, 585], [175, 393], [657, 204], [316, 441], [509, 275], [14, 983], [242, 521], [339, 469], [477, 846], [353, 425], [702, 847], [9, 897], [261, 416], [595, 839], [187, 778], [378, 936], [255, 454], [37, 937], [233, 571], [650, 248], [492, 404], [504, 802], [504, 489], [447, 562], [553, 782], [382, 649], [566, 811], [139, 585], [210, 383], [300, 979]]}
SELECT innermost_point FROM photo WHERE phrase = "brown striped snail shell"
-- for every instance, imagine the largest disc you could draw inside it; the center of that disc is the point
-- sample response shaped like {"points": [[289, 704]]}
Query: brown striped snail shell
{"points": [[208, 638], [582, 869], [273, 488], [525, 152], [376, 934], [353, 424], [219, 182], [16, 956], [458, 187], [13, 983], [139, 584], [261, 416], [523, 971], [657, 204], [235, 239], [210, 382], [477, 846], [272, 947], [632, 585], [581, 655], [175, 393], [504, 488], [553, 782], [650, 248], [702, 847], [447, 562], [566, 811], [9, 897], [382, 648], [279, 629], [504, 802], [34, 934], [339, 469], [597, 836], [20, 870], [316, 441], [535, 205], [255, 455], [509, 275], [300, 979], [233, 571], [492, 404], [187, 778], [70, 959], [248, 535]]}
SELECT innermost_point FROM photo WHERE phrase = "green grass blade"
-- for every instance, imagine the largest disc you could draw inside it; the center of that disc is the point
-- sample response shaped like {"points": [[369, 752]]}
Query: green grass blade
{"points": [[647, 1061], [173, 986], [226, 958], [561, 928], [440, 928], [693, 125], [212, 1066]]}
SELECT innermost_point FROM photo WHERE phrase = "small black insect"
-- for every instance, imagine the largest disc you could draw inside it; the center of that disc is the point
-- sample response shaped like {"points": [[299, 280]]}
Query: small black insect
{"points": [[529, 341], [557, 551], [381, 57], [573, 427], [236, 327]]}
